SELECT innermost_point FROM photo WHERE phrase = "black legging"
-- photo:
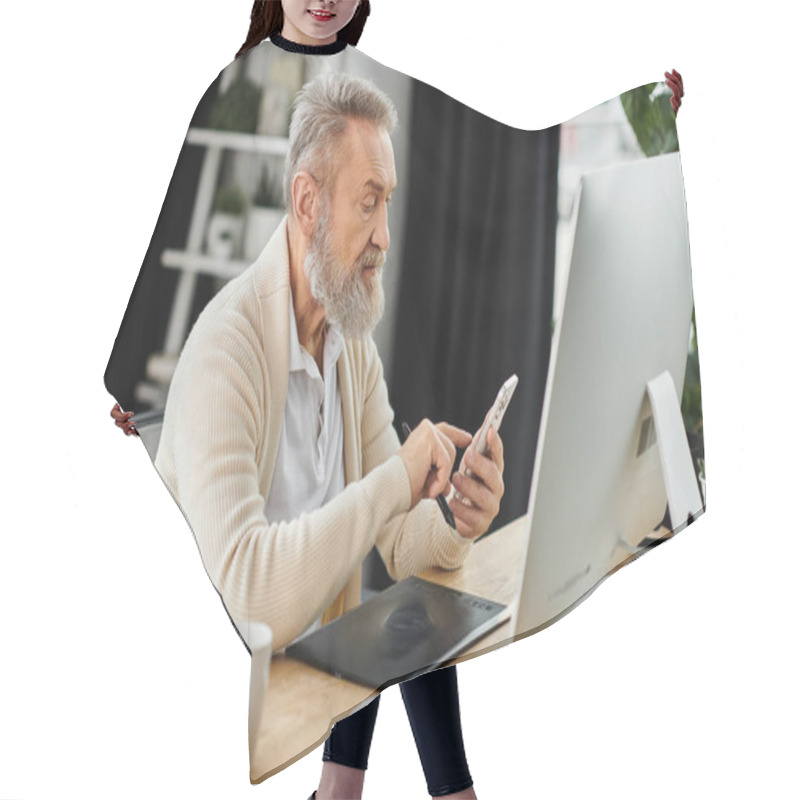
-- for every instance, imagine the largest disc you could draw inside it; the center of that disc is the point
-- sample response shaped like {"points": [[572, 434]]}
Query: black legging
{"points": [[432, 706]]}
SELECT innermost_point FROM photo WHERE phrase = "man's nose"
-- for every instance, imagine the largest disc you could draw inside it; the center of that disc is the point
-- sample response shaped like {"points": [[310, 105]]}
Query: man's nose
{"points": [[380, 236]]}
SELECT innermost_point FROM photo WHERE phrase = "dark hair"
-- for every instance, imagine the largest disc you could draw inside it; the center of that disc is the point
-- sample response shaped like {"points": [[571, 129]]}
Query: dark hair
{"points": [[266, 19]]}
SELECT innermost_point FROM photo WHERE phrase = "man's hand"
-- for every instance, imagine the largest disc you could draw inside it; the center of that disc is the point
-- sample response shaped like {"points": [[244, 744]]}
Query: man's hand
{"points": [[484, 490], [122, 419], [675, 82], [428, 455]]}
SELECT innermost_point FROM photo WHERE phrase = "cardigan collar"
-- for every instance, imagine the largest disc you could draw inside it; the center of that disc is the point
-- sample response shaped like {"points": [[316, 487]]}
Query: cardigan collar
{"points": [[273, 290], [270, 275]]}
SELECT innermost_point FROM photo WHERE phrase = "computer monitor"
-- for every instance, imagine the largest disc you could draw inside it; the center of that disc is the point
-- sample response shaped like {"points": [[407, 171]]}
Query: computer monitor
{"points": [[612, 451]]}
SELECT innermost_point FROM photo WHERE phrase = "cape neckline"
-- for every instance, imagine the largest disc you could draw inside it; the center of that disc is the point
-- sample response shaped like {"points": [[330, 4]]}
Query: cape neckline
{"points": [[311, 49]]}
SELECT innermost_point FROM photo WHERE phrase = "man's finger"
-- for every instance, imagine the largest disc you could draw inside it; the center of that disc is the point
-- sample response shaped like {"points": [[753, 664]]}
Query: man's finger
{"points": [[477, 493], [485, 470], [471, 519], [437, 482], [447, 445], [442, 456], [458, 436], [496, 448]]}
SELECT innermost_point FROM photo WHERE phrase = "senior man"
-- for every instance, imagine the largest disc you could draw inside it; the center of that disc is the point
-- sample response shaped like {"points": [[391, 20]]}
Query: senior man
{"points": [[277, 440]]}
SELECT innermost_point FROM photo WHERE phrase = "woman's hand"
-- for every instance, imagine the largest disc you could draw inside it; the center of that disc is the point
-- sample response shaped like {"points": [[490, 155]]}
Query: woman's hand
{"points": [[122, 419], [675, 82], [484, 491]]}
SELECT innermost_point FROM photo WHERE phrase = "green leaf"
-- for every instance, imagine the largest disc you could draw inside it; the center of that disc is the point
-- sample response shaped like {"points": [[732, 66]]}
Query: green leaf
{"points": [[651, 118]]}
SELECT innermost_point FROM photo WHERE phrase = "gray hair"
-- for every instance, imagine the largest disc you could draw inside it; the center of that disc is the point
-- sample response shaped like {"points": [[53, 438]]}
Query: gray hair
{"points": [[320, 114]]}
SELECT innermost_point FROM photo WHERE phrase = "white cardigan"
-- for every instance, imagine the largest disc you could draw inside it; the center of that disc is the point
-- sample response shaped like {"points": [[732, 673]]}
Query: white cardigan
{"points": [[217, 454]]}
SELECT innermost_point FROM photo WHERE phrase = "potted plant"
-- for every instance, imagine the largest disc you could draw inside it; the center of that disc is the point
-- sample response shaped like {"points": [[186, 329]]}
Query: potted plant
{"points": [[237, 109], [224, 235], [651, 116], [265, 213]]}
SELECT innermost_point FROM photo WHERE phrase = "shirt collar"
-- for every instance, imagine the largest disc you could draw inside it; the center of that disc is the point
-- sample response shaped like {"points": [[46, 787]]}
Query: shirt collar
{"points": [[334, 342], [300, 359]]}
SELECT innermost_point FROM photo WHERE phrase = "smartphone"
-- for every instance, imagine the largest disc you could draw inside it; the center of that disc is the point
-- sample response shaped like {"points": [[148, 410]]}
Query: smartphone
{"points": [[493, 419]]}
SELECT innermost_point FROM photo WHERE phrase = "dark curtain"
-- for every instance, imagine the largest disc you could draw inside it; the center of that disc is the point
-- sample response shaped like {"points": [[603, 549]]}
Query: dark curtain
{"points": [[144, 325], [476, 288]]}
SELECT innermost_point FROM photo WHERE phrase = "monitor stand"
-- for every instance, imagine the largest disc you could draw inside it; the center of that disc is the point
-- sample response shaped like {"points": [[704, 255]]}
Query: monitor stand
{"points": [[666, 429], [680, 481]]}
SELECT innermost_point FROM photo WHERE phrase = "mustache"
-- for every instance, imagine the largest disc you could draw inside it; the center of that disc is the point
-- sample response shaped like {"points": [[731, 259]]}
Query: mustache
{"points": [[375, 258]]}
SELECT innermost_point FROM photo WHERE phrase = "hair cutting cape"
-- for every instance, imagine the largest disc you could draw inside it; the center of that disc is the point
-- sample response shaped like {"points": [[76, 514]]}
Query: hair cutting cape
{"points": [[558, 255]]}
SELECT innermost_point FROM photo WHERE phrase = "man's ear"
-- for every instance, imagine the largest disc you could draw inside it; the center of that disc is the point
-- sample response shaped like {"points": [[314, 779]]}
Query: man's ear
{"points": [[305, 199]]}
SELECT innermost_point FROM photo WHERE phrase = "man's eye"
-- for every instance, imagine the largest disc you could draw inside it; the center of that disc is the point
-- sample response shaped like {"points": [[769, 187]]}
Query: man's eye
{"points": [[367, 209]]}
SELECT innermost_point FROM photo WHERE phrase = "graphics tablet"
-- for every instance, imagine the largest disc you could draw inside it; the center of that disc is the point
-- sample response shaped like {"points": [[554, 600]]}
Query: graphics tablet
{"points": [[408, 629]]}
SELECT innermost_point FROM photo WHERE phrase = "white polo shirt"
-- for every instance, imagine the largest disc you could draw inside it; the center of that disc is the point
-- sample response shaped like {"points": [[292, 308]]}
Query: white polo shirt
{"points": [[309, 470]]}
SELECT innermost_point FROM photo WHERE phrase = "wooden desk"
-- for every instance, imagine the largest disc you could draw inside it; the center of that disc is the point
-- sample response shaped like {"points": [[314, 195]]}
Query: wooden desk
{"points": [[302, 702]]}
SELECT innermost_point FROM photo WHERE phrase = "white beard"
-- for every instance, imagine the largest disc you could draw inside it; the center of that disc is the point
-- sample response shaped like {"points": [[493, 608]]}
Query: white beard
{"points": [[352, 300]]}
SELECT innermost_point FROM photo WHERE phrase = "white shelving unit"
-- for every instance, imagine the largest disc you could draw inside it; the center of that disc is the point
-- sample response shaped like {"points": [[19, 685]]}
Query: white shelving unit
{"points": [[192, 261]]}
